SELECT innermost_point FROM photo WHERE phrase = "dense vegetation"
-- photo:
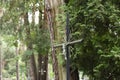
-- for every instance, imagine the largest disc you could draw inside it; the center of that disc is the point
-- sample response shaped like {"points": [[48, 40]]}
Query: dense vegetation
{"points": [[26, 27], [97, 22]]}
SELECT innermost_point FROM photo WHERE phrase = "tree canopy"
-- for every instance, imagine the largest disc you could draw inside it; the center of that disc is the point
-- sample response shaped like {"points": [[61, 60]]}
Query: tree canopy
{"points": [[97, 22], [30, 28]]}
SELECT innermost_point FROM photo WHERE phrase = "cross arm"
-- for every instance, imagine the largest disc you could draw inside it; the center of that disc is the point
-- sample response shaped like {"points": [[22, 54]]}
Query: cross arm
{"points": [[68, 43]]}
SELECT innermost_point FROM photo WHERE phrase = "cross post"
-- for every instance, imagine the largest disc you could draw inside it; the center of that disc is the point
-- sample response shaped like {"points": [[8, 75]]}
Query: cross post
{"points": [[66, 47]]}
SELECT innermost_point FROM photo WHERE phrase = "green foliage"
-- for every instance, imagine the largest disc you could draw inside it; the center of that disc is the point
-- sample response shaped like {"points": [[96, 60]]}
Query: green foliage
{"points": [[11, 24], [97, 22], [41, 41], [28, 52], [8, 59], [13, 29]]}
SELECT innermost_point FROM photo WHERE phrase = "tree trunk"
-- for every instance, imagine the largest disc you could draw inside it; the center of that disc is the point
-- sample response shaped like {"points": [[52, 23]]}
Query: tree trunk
{"points": [[0, 63], [42, 67], [52, 38], [42, 59], [31, 62], [74, 74], [32, 65], [17, 65], [39, 66]]}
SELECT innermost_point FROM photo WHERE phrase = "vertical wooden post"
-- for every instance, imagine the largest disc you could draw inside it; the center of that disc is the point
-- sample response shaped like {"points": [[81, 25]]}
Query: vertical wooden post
{"points": [[17, 65], [67, 48]]}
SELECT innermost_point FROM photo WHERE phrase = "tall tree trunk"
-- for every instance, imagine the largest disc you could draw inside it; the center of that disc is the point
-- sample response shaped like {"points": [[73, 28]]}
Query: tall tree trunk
{"points": [[31, 63], [42, 59], [52, 38], [0, 62], [39, 54], [42, 67], [45, 68], [74, 74], [17, 65], [39, 66]]}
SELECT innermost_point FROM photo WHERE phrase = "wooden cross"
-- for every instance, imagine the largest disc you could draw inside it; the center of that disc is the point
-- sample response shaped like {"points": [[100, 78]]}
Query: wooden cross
{"points": [[66, 51], [65, 47]]}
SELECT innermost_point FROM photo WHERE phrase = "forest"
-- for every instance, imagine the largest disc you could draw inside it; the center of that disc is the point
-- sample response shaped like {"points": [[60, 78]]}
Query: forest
{"points": [[59, 39]]}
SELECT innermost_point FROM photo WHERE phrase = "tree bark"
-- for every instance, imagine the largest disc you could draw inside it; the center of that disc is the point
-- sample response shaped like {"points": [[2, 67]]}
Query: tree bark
{"points": [[39, 66], [0, 63], [17, 65], [32, 65], [74, 74], [50, 20], [32, 68], [31, 62], [42, 59], [42, 67]]}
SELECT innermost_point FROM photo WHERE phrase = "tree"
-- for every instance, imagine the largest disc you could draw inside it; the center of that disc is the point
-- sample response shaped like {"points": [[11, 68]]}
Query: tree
{"points": [[97, 23], [16, 23], [0, 61], [50, 18]]}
